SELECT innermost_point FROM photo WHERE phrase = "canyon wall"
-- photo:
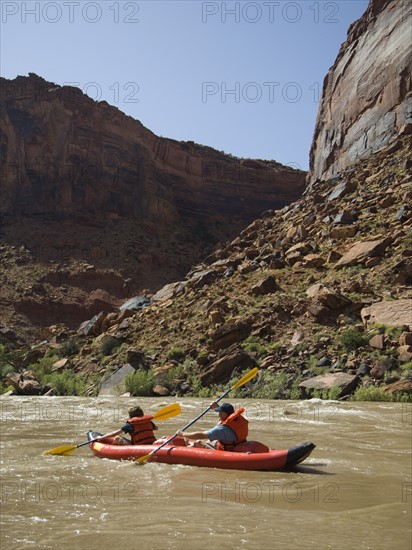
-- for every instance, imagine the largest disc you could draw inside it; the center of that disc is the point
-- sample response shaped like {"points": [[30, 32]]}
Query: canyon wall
{"points": [[65, 155], [366, 99]]}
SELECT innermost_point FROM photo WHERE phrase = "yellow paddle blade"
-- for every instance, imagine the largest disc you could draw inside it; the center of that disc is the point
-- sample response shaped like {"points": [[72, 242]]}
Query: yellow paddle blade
{"points": [[245, 378], [142, 459], [62, 450], [167, 412]]}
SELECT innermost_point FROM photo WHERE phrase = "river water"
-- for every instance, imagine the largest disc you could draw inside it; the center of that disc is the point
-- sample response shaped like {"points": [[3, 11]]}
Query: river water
{"points": [[354, 491]]}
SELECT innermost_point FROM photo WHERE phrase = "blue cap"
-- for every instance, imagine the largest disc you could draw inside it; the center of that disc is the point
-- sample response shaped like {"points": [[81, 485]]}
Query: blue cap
{"points": [[225, 408]]}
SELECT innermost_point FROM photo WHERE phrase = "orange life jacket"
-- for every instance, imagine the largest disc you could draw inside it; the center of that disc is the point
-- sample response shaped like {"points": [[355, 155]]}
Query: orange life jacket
{"points": [[239, 425], [143, 430]]}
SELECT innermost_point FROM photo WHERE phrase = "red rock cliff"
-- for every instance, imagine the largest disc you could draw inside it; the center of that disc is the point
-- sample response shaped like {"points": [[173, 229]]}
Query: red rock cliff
{"points": [[366, 99], [64, 154]]}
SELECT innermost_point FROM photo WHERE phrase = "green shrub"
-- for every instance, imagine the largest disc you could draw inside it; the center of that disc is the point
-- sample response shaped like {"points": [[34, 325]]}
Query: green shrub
{"points": [[392, 332], [6, 365], [197, 390], [272, 386], [352, 339], [332, 394], [406, 370], [109, 344], [65, 383], [173, 375], [69, 348], [378, 394], [274, 346], [139, 383], [175, 353], [313, 364], [5, 369], [255, 347], [43, 367]]}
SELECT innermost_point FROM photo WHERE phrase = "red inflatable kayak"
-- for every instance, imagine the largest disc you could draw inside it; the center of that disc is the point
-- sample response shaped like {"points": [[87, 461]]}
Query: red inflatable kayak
{"points": [[250, 455]]}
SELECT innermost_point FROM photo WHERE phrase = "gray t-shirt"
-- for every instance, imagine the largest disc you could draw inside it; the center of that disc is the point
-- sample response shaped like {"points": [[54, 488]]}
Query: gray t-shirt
{"points": [[222, 433]]}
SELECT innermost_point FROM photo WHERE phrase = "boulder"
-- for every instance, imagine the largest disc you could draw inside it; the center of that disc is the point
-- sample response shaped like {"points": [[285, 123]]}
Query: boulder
{"points": [[230, 333], [327, 297], [405, 354], [203, 278], [24, 383], [160, 390], [341, 189], [377, 341], [168, 291], [362, 251], [363, 370], [137, 302], [345, 232], [389, 312], [401, 386], [220, 371], [344, 217], [405, 339], [346, 382], [114, 386], [301, 248], [61, 364], [92, 326], [267, 285], [312, 260]]}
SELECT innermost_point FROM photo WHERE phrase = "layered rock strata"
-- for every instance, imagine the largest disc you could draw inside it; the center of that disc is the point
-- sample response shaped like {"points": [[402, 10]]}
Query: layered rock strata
{"points": [[64, 154], [366, 100]]}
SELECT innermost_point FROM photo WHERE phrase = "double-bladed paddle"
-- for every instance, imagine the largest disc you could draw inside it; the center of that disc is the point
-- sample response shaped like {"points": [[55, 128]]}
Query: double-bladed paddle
{"points": [[244, 380], [161, 414]]}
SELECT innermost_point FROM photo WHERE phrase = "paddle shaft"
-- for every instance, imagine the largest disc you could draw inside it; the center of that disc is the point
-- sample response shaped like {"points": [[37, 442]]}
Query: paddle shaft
{"points": [[98, 438]]}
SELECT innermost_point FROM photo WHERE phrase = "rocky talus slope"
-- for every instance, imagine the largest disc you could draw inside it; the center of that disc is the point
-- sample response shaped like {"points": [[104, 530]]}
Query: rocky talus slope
{"points": [[322, 287]]}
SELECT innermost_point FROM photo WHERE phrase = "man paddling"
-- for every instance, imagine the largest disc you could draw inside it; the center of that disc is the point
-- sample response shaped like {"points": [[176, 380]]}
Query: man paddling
{"points": [[231, 429]]}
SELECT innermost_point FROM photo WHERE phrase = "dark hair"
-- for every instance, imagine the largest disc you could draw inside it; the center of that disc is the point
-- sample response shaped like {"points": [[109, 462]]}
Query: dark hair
{"points": [[135, 411]]}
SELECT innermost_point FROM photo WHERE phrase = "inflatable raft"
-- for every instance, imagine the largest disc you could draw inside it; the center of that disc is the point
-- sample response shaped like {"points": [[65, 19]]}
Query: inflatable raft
{"points": [[250, 455]]}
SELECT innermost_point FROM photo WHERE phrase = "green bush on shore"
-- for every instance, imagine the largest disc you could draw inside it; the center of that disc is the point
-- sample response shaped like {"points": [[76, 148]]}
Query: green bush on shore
{"points": [[352, 339], [62, 383], [69, 348], [176, 354], [5, 366], [109, 344], [139, 383], [378, 394], [66, 383]]}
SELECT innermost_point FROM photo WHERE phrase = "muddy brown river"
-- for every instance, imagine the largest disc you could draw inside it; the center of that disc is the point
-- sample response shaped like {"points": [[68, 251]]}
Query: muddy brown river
{"points": [[354, 491]]}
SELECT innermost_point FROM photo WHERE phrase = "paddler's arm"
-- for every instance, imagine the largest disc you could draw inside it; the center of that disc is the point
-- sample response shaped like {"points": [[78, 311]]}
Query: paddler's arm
{"points": [[112, 434], [193, 435]]}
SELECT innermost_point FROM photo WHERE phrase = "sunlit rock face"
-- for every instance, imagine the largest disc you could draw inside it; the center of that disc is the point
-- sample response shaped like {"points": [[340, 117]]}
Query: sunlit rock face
{"points": [[64, 154], [366, 99]]}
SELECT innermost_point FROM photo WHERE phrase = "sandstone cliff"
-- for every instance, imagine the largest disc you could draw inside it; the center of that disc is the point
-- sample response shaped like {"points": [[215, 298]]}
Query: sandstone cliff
{"points": [[366, 99], [65, 155]]}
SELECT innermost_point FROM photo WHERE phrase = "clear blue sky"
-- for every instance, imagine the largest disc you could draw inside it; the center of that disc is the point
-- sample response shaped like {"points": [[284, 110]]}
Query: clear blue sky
{"points": [[243, 77]]}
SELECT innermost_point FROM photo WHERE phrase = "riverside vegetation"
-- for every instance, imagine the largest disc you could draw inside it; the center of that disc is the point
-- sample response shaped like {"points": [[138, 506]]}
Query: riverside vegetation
{"points": [[294, 294]]}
